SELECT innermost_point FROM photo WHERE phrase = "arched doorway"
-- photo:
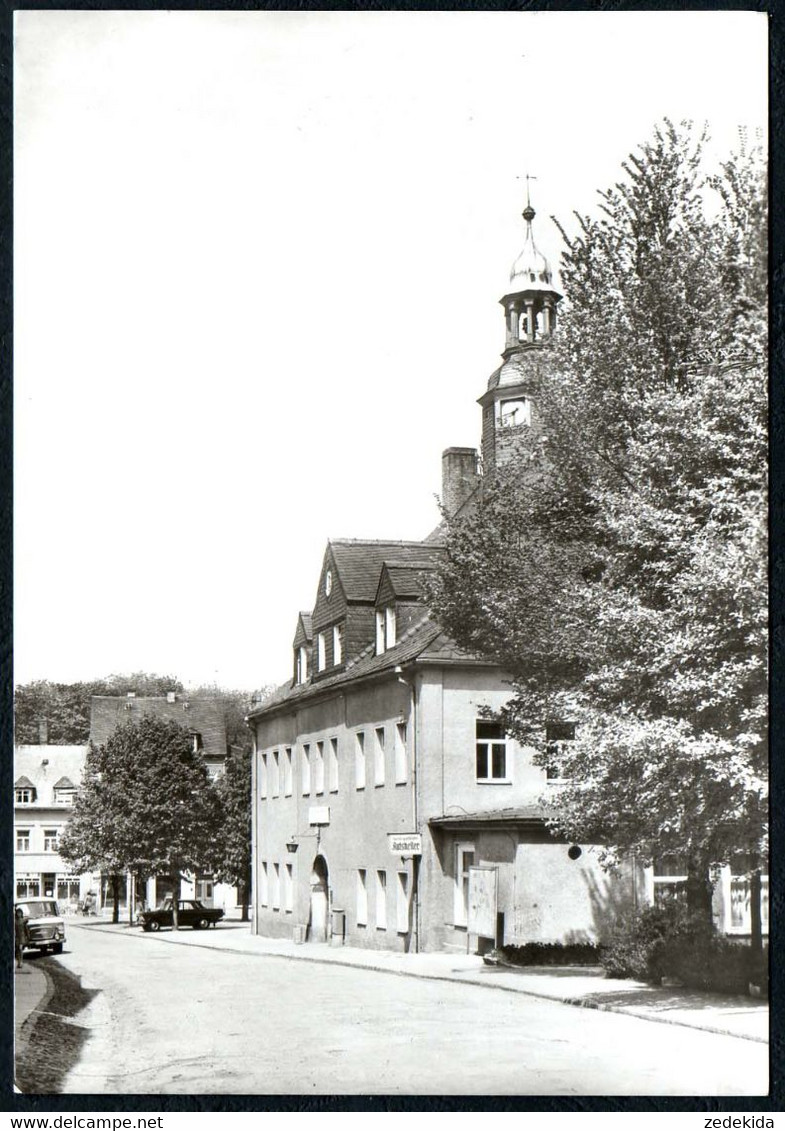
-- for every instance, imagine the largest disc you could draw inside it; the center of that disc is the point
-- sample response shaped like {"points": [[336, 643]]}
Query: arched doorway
{"points": [[319, 900]]}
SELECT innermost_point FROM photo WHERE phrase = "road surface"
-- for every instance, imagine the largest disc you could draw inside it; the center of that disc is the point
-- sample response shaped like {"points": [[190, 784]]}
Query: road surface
{"points": [[190, 1020]]}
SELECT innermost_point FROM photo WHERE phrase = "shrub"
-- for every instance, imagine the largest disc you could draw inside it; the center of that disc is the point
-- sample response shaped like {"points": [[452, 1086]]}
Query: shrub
{"points": [[669, 942], [553, 954]]}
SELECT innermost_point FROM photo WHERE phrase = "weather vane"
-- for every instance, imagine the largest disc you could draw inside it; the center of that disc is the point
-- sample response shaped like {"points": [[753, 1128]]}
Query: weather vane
{"points": [[528, 177]]}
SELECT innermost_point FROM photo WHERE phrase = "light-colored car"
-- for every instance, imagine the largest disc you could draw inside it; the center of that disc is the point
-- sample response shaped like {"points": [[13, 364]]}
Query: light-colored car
{"points": [[45, 926]]}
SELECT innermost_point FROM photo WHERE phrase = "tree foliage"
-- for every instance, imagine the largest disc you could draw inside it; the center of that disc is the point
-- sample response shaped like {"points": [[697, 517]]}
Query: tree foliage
{"points": [[617, 568], [146, 804]]}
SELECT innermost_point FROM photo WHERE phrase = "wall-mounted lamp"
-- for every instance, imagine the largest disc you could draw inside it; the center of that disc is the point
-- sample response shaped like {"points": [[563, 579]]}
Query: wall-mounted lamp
{"points": [[292, 845]]}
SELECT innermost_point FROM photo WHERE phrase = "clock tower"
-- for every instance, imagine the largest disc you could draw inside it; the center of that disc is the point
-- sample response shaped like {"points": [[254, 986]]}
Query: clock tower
{"points": [[530, 322]]}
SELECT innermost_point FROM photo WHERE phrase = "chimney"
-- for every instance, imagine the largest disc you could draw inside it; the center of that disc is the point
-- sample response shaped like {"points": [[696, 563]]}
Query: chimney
{"points": [[460, 477], [43, 732]]}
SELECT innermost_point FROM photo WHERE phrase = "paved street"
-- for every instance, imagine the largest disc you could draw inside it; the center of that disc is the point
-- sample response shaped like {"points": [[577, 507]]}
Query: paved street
{"points": [[185, 1019]]}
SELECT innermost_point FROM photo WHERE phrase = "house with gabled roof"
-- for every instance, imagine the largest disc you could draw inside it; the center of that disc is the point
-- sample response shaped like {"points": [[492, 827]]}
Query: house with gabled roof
{"points": [[390, 808]]}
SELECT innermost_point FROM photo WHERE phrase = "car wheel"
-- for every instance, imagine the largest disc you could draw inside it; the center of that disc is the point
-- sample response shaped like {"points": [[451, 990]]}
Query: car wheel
{"points": [[57, 948], [155, 925], [146, 927], [201, 924]]}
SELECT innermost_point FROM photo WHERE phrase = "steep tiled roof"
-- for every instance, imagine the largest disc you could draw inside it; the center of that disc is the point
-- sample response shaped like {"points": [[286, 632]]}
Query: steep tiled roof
{"points": [[43, 765], [359, 562], [63, 783], [423, 641], [307, 624], [367, 663], [203, 716], [406, 578]]}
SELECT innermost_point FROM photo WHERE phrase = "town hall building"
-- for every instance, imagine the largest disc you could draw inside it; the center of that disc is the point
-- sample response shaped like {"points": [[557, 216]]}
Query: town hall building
{"points": [[390, 809]]}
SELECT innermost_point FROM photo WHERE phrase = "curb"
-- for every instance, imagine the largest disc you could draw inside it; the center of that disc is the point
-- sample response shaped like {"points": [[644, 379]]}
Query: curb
{"points": [[577, 1002]]}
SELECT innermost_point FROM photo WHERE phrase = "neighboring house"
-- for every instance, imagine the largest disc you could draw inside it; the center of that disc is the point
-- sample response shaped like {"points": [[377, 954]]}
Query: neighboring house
{"points": [[203, 718], [390, 808], [46, 779]]}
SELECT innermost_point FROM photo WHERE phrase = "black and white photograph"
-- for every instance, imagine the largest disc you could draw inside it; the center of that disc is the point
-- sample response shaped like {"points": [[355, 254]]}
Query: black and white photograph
{"points": [[390, 465]]}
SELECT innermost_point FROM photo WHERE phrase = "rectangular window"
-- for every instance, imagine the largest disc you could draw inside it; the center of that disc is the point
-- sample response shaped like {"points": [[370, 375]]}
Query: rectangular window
{"points": [[197, 741], [332, 749], [50, 840], [670, 879], [305, 767], [400, 754], [288, 879], [302, 664], [263, 776], [389, 627], [22, 840], [276, 892], [464, 858], [385, 629], [556, 734], [26, 796], [362, 898], [321, 652], [65, 796], [287, 771], [338, 644], [379, 756], [264, 884], [318, 768], [381, 901], [402, 903], [491, 752], [275, 784], [359, 760]]}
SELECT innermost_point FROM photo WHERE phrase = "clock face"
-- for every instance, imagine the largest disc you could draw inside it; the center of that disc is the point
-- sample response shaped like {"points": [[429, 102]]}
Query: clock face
{"points": [[328, 583]]}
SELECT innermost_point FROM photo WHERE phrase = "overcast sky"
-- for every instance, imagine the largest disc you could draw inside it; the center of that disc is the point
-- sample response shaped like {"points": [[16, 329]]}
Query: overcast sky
{"points": [[258, 263]]}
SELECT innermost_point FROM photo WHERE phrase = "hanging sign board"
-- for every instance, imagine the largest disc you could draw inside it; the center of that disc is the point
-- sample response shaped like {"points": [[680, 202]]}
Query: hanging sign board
{"points": [[405, 844], [482, 901], [319, 815]]}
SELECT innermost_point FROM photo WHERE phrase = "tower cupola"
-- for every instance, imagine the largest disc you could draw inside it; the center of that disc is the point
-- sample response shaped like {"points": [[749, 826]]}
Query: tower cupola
{"points": [[508, 404], [530, 303]]}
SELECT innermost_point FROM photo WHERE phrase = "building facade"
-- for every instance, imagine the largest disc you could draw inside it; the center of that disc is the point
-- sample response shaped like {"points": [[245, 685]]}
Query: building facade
{"points": [[390, 809], [46, 779]]}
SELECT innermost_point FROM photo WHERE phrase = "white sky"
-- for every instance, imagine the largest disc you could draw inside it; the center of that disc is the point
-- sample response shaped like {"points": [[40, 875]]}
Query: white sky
{"points": [[258, 258]]}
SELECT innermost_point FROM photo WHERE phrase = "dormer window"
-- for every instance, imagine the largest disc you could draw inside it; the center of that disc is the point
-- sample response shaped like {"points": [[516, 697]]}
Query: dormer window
{"points": [[196, 738], [301, 659], [515, 412], [385, 629], [64, 792], [321, 652], [24, 792]]}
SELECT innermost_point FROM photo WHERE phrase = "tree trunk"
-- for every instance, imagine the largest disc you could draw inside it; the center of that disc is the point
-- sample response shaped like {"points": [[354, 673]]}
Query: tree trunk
{"points": [[114, 880], [176, 881], [246, 895], [699, 889]]}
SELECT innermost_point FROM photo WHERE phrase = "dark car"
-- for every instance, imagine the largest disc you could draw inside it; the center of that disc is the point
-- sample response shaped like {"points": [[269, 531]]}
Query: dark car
{"points": [[45, 927], [190, 913]]}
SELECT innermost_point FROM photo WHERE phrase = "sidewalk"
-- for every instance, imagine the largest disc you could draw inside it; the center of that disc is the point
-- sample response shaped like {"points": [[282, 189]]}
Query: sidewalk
{"points": [[32, 991], [578, 986]]}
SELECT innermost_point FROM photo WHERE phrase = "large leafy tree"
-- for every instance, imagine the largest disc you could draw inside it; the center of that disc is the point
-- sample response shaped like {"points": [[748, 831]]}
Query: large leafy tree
{"points": [[65, 707], [146, 804], [617, 567]]}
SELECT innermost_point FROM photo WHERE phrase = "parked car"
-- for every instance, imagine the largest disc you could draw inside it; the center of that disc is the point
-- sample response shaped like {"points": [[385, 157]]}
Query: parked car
{"points": [[190, 913], [45, 926]]}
